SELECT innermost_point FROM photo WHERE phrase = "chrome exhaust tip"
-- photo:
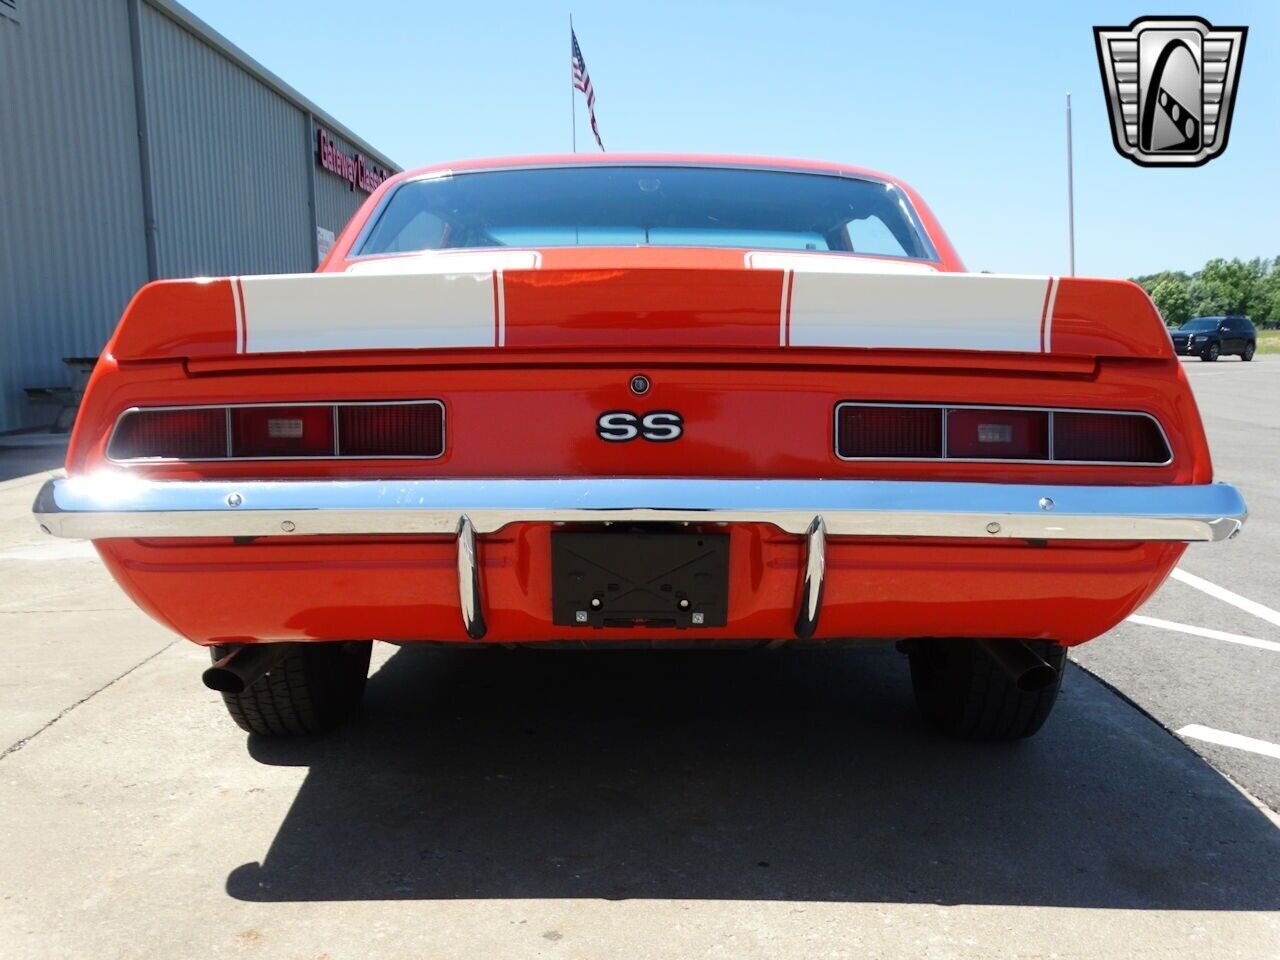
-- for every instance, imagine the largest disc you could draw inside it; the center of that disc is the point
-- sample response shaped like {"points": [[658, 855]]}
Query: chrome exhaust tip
{"points": [[1020, 663], [244, 666]]}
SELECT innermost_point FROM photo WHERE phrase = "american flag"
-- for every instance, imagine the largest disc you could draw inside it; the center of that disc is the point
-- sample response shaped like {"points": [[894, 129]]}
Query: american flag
{"points": [[582, 80]]}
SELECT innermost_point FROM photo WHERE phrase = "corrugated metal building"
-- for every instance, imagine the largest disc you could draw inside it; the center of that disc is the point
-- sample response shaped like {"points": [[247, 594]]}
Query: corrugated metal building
{"points": [[136, 143]]}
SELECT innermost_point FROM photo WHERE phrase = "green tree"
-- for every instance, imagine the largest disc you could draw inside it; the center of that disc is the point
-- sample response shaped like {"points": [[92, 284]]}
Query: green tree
{"points": [[1206, 300], [1151, 281], [1230, 283], [1173, 300], [1267, 308], [1220, 287]]}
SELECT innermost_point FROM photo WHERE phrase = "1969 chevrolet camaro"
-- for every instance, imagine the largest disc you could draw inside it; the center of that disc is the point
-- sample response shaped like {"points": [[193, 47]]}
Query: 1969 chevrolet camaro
{"points": [[666, 400]]}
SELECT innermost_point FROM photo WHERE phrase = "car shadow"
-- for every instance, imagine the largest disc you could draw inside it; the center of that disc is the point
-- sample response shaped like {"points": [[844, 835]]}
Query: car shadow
{"points": [[796, 775]]}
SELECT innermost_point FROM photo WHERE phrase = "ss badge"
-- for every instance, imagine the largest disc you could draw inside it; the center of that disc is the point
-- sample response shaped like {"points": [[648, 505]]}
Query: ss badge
{"points": [[659, 426]]}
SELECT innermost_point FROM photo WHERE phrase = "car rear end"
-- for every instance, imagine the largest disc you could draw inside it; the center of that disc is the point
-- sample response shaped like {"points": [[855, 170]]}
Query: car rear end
{"points": [[658, 444], [1002, 493]]}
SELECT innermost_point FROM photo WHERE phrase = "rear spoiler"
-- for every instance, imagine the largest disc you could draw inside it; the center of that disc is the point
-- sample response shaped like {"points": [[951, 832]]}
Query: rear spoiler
{"points": [[640, 308]]}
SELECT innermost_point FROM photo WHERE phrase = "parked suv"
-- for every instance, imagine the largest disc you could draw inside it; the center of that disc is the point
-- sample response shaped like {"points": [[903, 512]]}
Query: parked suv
{"points": [[1211, 337]]}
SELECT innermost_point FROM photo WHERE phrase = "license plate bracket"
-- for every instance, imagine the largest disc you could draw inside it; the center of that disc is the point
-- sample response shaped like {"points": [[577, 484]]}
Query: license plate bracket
{"points": [[639, 578]]}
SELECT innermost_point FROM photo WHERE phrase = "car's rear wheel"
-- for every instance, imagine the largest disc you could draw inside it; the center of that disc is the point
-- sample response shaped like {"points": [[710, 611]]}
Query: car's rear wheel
{"points": [[963, 692], [1210, 353], [1249, 349], [312, 689]]}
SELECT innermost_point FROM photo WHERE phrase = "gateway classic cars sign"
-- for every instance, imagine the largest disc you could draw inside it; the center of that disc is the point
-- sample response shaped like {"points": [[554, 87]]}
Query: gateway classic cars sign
{"points": [[354, 168], [1171, 86]]}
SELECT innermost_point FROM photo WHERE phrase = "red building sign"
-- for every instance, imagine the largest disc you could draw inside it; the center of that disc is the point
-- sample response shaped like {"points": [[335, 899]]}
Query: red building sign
{"points": [[353, 168]]}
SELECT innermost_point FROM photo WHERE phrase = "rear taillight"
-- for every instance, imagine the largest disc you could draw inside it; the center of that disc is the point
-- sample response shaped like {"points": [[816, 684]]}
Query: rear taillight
{"points": [[269, 432], [1108, 438], [978, 434], [398, 429], [889, 433], [391, 430], [185, 434], [885, 431]]}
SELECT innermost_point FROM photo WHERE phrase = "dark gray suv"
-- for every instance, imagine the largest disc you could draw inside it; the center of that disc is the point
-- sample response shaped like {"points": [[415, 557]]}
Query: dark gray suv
{"points": [[1211, 337]]}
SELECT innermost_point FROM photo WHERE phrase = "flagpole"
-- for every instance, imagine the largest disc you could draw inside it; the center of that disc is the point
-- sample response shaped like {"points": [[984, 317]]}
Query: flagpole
{"points": [[1071, 198], [573, 99]]}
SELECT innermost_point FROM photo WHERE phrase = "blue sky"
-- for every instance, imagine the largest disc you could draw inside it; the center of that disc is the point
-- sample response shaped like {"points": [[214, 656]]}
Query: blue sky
{"points": [[963, 100]]}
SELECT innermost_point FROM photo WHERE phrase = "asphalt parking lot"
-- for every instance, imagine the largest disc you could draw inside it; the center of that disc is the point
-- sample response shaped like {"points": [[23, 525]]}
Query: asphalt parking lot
{"points": [[599, 805], [1184, 679]]}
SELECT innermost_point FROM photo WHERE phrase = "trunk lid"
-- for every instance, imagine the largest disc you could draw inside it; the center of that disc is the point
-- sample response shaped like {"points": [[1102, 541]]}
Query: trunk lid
{"points": [[616, 300]]}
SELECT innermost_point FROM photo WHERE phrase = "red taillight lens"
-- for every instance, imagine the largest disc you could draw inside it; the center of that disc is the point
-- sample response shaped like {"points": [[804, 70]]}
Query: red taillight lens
{"points": [[869, 431], [391, 430], [1108, 438], [199, 434], [977, 434], [282, 432], [304, 431], [889, 432]]}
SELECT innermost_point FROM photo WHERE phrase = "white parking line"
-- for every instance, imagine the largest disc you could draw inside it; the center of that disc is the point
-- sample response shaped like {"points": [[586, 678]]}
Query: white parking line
{"points": [[1221, 737], [1205, 632], [1221, 593]]}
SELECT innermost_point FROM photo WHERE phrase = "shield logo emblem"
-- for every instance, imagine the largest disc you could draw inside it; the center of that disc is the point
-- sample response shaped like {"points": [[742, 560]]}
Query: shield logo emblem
{"points": [[1170, 84]]}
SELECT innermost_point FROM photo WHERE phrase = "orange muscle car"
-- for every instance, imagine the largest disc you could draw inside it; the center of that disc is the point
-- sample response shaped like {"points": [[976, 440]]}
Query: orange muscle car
{"points": [[685, 400]]}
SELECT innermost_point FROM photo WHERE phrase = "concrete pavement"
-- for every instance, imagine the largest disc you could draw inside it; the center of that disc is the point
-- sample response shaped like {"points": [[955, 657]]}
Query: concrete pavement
{"points": [[551, 804], [67, 629]]}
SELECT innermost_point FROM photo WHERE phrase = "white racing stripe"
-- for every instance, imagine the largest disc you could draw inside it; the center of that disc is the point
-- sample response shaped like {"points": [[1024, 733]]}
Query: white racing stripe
{"points": [[458, 300], [831, 263], [343, 311], [784, 310], [1046, 343], [450, 261], [500, 308], [1224, 738], [1222, 593], [239, 308], [1205, 632], [941, 311]]}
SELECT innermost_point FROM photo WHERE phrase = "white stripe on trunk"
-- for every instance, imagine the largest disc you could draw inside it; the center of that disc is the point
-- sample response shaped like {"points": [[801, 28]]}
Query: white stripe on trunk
{"points": [[342, 311], [500, 307], [830, 263], [940, 311], [450, 261], [782, 310], [239, 308], [1048, 315]]}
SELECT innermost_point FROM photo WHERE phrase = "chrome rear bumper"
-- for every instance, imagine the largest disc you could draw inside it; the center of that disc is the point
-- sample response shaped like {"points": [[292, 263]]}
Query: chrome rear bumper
{"points": [[108, 505]]}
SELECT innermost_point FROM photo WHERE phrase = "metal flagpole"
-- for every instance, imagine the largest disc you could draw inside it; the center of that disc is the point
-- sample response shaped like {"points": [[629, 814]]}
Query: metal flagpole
{"points": [[1071, 199], [573, 97]]}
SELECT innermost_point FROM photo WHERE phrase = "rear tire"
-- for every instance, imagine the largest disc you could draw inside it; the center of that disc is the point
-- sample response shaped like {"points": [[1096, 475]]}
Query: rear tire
{"points": [[313, 689], [1249, 349], [1210, 353], [962, 693]]}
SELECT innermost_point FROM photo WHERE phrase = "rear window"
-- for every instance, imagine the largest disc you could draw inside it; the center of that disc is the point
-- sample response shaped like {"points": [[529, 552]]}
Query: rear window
{"points": [[649, 206]]}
